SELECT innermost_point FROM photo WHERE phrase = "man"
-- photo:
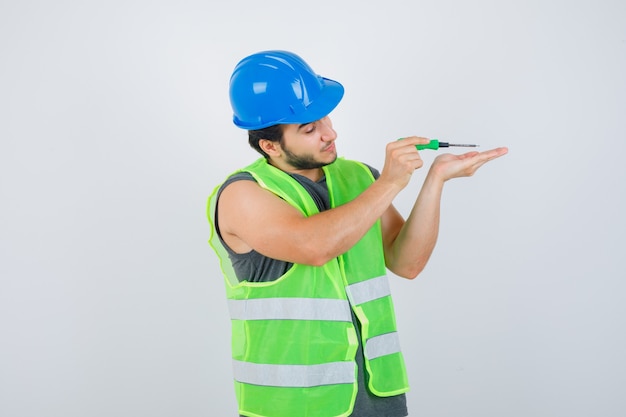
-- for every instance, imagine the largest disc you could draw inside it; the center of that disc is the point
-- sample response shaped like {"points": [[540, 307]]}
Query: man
{"points": [[304, 240]]}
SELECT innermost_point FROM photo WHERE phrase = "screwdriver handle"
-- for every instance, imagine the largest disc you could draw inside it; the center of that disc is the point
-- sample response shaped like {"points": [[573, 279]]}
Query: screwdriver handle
{"points": [[433, 144]]}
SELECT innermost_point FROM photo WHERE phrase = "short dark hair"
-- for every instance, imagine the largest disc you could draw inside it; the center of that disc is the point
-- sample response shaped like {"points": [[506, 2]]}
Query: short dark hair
{"points": [[272, 133]]}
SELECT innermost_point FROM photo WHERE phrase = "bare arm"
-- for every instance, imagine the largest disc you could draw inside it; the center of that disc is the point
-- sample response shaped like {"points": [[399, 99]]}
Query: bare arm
{"points": [[251, 217], [409, 245]]}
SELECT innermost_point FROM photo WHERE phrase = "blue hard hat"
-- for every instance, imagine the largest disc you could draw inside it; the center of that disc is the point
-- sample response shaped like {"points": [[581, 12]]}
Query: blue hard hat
{"points": [[279, 87]]}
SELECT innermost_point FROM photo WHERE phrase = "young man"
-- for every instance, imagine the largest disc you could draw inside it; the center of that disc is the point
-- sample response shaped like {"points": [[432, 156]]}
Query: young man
{"points": [[304, 240]]}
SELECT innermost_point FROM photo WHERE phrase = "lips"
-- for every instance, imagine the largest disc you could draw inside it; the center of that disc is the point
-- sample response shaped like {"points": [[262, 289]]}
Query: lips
{"points": [[329, 148]]}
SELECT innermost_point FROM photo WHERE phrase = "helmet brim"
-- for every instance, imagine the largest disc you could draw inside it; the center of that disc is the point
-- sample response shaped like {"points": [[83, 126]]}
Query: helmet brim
{"points": [[328, 98]]}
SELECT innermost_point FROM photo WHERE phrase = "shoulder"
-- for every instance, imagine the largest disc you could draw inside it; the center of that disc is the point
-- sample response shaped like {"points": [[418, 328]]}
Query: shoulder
{"points": [[238, 176]]}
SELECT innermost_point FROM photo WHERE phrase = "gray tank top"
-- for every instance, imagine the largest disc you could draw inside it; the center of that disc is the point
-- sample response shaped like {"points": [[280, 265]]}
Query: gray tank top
{"points": [[254, 267]]}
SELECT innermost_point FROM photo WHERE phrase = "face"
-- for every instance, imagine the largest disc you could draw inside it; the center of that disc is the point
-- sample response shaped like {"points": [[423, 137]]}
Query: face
{"points": [[309, 146]]}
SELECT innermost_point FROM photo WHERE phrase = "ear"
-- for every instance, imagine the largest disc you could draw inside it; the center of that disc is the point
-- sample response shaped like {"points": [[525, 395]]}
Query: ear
{"points": [[269, 147]]}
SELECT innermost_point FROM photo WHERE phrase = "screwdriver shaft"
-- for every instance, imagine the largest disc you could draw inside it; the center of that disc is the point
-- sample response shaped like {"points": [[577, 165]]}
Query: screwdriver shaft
{"points": [[463, 145]]}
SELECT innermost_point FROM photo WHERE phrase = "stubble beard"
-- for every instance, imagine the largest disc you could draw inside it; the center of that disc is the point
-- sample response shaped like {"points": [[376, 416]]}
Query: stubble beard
{"points": [[304, 161]]}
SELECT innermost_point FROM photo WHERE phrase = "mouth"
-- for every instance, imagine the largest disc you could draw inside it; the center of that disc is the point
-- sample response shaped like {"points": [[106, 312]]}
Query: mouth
{"points": [[329, 148]]}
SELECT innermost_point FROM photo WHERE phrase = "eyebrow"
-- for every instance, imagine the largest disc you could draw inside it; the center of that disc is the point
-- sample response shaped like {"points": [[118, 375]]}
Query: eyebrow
{"points": [[304, 124]]}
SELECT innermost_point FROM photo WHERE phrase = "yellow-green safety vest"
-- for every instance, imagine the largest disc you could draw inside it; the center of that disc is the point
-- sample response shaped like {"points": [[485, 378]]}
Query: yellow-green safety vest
{"points": [[293, 339]]}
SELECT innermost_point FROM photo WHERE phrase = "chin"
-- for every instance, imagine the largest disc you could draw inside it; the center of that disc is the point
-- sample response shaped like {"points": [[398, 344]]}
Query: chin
{"points": [[332, 158]]}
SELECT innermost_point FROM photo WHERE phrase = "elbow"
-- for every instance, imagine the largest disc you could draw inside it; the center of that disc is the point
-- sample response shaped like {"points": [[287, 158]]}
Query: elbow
{"points": [[409, 272], [411, 275], [313, 259], [414, 273], [318, 261]]}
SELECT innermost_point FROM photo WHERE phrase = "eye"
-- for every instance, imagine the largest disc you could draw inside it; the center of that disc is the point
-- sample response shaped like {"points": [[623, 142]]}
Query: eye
{"points": [[310, 128]]}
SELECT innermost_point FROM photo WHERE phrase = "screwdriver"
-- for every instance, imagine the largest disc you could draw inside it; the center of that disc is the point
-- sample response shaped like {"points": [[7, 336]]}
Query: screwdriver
{"points": [[435, 144]]}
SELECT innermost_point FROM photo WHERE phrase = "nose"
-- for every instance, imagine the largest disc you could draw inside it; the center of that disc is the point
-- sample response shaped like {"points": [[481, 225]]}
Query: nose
{"points": [[328, 133]]}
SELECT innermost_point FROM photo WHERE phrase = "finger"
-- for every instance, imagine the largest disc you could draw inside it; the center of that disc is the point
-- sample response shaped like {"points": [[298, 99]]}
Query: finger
{"points": [[412, 141], [497, 152], [402, 148], [412, 158], [484, 157], [487, 155]]}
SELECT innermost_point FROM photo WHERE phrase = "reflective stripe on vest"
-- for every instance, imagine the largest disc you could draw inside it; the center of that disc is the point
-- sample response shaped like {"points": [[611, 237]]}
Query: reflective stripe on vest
{"points": [[301, 376], [382, 345], [324, 309], [369, 290]]}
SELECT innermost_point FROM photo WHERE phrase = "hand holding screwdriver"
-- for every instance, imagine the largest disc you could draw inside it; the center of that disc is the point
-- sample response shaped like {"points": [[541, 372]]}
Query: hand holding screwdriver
{"points": [[435, 144], [451, 166]]}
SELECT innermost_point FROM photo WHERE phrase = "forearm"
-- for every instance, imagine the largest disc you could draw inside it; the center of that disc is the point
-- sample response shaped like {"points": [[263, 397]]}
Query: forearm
{"points": [[408, 252], [348, 223], [411, 249]]}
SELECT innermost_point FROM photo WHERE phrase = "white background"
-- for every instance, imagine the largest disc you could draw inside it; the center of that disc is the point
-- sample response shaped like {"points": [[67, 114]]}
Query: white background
{"points": [[115, 126]]}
